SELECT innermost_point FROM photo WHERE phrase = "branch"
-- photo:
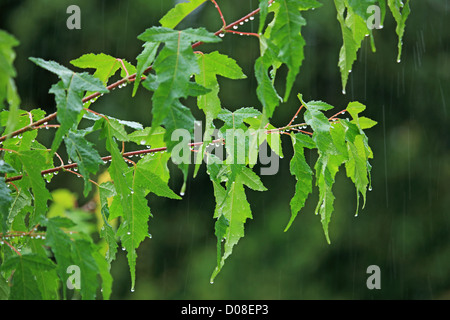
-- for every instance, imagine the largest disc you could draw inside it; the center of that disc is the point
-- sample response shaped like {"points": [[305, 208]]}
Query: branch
{"points": [[105, 159]]}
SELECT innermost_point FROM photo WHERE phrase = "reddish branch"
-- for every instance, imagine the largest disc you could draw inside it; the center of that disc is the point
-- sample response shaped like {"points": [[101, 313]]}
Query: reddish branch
{"points": [[68, 167]]}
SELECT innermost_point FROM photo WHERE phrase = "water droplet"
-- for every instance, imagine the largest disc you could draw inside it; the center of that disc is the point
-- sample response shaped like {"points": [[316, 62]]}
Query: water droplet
{"points": [[399, 60], [241, 23], [252, 18], [69, 161], [181, 193], [123, 248], [235, 27], [222, 35], [211, 282], [128, 233], [246, 20], [370, 188], [343, 91]]}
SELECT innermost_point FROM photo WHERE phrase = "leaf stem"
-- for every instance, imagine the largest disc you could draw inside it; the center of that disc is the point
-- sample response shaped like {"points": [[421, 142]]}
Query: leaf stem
{"points": [[12, 247], [220, 13]]}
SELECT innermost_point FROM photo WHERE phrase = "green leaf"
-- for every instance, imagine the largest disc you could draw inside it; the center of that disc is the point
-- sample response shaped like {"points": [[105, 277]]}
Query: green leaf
{"points": [[263, 11], [118, 167], [400, 12], [69, 107], [282, 43], [47, 280], [106, 191], [174, 66], [83, 153], [5, 167], [21, 200], [8, 90], [175, 15], [360, 7], [315, 118], [152, 182], [265, 90], [82, 251], [356, 167], [220, 227], [286, 34], [4, 289], [236, 118], [7, 56], [211, 65], [68, 95], [104, 270], [175, 38], [154, 162], [354, 29], [302, 172], [25, 266], [33, 162], [249, 178], [134, 227], [144, 59], [366, 123], [236, 210], [60, 245], [105, 65], [132, 186], [76, 81], [5, 203], [326, 168], [178, 117]]}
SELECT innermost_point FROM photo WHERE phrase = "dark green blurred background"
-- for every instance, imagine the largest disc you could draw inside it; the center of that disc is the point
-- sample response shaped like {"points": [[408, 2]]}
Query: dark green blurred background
{"points": [[405, 226]]}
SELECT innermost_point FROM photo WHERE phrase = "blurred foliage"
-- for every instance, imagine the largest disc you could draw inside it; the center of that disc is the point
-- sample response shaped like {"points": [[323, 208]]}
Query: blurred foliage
{"points": [[405, 227]]}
